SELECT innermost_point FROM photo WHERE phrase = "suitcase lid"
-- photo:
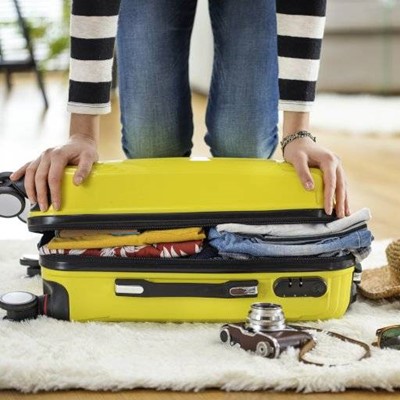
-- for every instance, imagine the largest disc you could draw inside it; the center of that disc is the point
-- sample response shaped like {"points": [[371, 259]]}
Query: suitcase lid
{"points": [[178, 192]]}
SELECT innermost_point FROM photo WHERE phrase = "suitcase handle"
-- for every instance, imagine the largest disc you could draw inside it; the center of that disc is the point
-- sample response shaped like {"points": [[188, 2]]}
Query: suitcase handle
{"points": [[144, 288]]}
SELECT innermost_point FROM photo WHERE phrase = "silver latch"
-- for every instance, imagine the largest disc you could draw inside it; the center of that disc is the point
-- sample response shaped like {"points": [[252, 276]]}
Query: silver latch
{"points": [[129, 289], [239, 291]]}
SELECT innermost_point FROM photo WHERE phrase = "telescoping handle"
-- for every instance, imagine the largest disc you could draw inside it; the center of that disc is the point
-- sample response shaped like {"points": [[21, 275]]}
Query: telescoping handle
{"points": [[145, 288]]}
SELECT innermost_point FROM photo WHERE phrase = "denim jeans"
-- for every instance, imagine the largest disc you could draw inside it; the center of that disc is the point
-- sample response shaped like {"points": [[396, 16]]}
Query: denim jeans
{"points": [[233, 243], [153, 43]]}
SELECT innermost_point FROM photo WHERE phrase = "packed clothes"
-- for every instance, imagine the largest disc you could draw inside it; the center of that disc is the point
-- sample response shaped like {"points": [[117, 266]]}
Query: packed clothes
{"points": [[156, 250], [100, 239], [338, 226], [225, 241], [336, 238]]}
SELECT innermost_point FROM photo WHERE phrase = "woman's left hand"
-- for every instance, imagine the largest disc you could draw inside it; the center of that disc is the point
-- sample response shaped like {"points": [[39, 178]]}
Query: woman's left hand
{"points": [[303, 153]]}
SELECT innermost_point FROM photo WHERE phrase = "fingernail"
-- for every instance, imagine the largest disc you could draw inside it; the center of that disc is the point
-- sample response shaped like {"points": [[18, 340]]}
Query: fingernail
{"points": [[42, 207], [12, 176], [56, 205], [329, 212], [78, 180], [309, 186]]}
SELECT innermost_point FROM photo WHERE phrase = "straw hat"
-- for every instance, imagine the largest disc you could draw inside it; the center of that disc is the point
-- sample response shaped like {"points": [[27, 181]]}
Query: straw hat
{"points": [[383, 282]]}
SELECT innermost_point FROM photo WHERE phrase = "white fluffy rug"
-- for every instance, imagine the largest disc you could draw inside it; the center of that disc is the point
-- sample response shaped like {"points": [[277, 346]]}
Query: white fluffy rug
{"points": [[46, 354], [357, 114]]}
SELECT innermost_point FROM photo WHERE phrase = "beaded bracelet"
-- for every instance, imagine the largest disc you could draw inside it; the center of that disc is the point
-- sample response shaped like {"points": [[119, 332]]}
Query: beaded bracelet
{"points": [[295, 136]]}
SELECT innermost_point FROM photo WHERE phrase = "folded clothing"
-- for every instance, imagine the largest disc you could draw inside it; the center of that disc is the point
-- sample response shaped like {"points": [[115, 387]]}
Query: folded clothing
{"points": [[228, 243], [339, 226], [238, 241], [68, 233], [359, 254], [106, 239], [157, 250]]}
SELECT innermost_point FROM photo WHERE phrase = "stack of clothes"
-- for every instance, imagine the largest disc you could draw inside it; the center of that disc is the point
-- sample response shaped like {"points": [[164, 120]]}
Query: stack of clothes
{"points": [[225, 241], [333, 239], [165, 243]]}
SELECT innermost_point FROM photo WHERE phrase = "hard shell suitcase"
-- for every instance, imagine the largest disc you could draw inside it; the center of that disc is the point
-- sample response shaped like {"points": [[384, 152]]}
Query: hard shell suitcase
{"points": [[181, 192]]}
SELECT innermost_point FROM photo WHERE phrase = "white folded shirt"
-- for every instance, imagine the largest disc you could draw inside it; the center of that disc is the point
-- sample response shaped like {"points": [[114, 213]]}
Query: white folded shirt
{"points": [[341, 225]]}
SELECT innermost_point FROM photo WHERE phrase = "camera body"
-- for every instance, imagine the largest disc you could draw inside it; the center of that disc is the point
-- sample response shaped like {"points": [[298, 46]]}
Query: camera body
{"points": [[264, 332]]}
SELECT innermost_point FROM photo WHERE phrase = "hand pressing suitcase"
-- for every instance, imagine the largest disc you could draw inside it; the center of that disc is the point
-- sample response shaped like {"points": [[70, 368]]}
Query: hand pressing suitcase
{"points": [[177, 193]]}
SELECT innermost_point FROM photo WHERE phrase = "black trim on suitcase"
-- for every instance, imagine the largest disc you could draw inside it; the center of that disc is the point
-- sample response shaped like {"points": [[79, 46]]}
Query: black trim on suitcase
{"points": [[175, 220], [145, 288], [57, 304], [63, 262]]}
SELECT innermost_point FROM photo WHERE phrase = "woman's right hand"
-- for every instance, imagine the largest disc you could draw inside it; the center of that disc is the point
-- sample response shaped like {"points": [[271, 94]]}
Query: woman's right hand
{"points": [[46, 172]]}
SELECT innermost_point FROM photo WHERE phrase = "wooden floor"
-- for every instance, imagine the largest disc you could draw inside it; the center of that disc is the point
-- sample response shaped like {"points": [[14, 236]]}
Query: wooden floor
{"points": [[372, 165], [206, 395]]}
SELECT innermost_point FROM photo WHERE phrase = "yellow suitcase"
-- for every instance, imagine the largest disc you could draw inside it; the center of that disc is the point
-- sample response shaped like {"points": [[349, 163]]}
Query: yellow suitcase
{"points": [[182, 192]]}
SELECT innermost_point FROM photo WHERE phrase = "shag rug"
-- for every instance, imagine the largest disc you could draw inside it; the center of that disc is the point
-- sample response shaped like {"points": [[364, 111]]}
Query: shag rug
{"points": [[47, 354]]}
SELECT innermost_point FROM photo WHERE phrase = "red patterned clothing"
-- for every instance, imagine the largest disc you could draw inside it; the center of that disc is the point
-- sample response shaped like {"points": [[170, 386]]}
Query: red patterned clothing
{"points": [[157, 250]]}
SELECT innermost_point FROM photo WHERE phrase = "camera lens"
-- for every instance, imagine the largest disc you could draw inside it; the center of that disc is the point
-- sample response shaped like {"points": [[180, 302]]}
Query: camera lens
{"points": [[264, 317]]}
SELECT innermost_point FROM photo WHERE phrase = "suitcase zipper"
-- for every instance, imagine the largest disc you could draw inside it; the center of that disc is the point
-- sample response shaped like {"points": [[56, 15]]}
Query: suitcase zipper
{"points": [[176, 220], [64, 262]]}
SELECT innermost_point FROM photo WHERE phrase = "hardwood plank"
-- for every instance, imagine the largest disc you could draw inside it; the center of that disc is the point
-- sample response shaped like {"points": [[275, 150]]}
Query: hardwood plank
{"points": [[205, 395]]}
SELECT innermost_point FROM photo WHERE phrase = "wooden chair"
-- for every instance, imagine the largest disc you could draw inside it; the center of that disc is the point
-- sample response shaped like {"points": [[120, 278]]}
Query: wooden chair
{"points": [[30, 63]]}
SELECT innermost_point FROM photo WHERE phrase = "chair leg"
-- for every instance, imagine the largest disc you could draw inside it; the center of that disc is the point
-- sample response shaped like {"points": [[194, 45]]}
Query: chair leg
{"points": [[7, 71], [26, 34], [39, 77], [8, 80]]}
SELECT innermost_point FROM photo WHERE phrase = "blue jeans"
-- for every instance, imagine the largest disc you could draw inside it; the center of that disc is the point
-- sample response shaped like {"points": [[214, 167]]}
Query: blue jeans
{"points": [[255, 246], [153, 48]]}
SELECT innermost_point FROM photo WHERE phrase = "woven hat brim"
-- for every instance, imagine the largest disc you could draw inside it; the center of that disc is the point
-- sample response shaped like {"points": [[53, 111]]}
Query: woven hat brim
{"points": [[379, 283]]}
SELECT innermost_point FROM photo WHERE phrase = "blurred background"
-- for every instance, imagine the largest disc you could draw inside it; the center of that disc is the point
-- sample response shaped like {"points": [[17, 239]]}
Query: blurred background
{"points": [[356, 114]]}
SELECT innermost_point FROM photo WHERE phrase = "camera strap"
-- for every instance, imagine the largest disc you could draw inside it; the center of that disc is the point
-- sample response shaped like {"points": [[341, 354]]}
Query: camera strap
{"points": [[312, 343]]}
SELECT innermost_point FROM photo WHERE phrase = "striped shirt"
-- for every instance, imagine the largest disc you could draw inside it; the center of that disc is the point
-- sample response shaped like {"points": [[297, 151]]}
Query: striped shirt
{"points": [[301, 26]]}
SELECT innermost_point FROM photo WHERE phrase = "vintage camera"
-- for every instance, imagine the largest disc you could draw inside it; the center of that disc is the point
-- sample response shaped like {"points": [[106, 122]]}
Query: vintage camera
{"points": [[264, 332]]}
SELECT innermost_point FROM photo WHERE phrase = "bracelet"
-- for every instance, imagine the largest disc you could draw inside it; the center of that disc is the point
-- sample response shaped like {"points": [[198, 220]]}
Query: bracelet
{"points": [[294, 136]]}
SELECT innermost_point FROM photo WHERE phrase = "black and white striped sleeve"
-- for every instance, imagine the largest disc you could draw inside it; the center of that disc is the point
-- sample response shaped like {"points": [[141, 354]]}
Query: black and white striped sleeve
{"points": [[93, 31], [301, 26]]}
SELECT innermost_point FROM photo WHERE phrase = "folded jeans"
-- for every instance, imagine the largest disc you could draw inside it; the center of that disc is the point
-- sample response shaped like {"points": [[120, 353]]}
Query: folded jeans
{"points": [[231, 243]]}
